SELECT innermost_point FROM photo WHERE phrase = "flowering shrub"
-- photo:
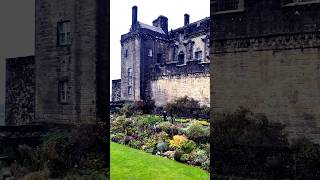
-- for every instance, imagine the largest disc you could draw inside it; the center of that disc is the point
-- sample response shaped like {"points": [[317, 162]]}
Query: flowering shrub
{"points": [[188, 146], [177, 141]]}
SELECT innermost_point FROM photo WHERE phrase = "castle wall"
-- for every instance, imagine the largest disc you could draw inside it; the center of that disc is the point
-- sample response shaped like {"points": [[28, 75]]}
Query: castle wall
{"points": [[269, 64], [169, 88], [20, 90], [83, 64]]}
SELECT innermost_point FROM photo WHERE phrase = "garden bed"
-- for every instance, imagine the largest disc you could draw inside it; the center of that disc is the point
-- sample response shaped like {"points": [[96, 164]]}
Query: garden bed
{"points": [[184, 140]]}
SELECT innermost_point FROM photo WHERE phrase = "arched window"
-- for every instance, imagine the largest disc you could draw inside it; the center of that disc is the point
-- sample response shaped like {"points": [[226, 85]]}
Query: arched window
{"points": [[181, 58]]}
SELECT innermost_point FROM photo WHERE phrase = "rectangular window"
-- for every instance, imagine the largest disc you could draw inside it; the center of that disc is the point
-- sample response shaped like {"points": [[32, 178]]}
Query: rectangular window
{"points": [[126, 53], [150, 52], [227, 5], [129, 76], [198, 55], [64, 33], [129, 90], [63, 89], [299, 1]]}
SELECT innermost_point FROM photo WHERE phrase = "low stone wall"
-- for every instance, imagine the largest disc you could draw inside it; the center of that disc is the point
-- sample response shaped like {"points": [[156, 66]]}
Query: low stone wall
{"points": [[168, 88]]}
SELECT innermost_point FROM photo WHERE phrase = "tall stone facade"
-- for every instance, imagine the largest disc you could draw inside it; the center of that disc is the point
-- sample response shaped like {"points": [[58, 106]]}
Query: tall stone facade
{"points": [[162, 65], [20, 90], [71, 61], [266, 58]]}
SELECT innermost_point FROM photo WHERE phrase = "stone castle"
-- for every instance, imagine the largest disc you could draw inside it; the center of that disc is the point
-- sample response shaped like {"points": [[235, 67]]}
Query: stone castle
{"points": [[66, 81], [266, 57], [160, 65]]}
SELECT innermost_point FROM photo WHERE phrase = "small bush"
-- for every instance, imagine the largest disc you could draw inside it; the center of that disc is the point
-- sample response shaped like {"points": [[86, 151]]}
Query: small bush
{"points": [[177, 141], [183, 107], [135, 144], [177, 155], [188, 146], [164, 126], [119, 137], [184, 158], [198, 132], [162, 146]]}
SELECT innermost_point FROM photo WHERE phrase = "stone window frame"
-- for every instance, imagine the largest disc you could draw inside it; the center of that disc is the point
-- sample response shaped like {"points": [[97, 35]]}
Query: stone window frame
{"points": [[63, 91], [130, 76], [130, 91], [64, 30], [240, 8], [298, 2]]}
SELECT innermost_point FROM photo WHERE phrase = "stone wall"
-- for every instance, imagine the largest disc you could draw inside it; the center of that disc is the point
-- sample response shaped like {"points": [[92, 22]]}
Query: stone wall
{"points": [[116, 90], [169, 88], [83, 63], [267, 59], [20, 90]]}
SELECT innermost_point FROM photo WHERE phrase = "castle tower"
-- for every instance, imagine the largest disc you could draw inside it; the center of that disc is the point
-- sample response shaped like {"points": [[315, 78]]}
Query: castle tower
{"points": [[71, 61]]}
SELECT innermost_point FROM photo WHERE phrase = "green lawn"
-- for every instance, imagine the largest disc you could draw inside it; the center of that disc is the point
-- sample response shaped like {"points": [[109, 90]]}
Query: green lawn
{"points": [[128, 163]]}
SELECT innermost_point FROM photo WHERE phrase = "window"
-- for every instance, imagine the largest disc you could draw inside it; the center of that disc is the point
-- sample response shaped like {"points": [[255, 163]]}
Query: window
{"points": [[227, 5], [64, 33], [129, 76], [159, 58], [198, 54], [150, 52], [126, 53], [299, 1], [181, 58], [63, 88], [129, 90]]}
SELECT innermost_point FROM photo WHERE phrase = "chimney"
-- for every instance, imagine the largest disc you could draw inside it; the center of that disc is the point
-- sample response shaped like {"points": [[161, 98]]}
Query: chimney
{"points": [[134, 16], [161, 22], [186, 19]]}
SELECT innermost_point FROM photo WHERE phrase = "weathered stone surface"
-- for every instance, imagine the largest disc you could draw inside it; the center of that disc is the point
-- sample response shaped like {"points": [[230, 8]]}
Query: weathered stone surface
{"points": [[20, 90], [116, 90], [266, 58], [83, 64]]}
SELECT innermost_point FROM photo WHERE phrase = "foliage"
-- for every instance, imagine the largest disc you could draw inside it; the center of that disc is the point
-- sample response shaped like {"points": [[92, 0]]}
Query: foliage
{"points": [[248, 145], [184, 158], [135, 144], [188, 146], [119, 137], [177, 155], [197, 132], [162, 146], [177, 141], [164, 126], [182, 107]]}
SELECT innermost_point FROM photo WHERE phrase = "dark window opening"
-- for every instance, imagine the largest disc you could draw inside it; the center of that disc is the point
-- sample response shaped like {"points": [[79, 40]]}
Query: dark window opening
{"points": [[181, 58], [159, 59], [198, 55], [126, 53], [63, 91], [226, 5], [129, 76], [64, 33]]}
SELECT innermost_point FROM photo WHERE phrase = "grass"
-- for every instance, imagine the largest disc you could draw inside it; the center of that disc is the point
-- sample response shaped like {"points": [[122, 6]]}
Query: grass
{"points": [[132, 164]]}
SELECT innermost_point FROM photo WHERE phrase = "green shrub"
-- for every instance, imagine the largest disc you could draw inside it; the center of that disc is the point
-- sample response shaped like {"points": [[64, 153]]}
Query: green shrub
{"points": [[135, 144], [198, 132], [188, 146], [164, 126], [162, 146], [119, 137], [177, 155], [182, 107], [184, 158], [200, 157]]}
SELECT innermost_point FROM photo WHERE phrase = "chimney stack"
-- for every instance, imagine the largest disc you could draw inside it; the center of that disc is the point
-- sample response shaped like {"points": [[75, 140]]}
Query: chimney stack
{"points": [[134, 16], [186, 19]]}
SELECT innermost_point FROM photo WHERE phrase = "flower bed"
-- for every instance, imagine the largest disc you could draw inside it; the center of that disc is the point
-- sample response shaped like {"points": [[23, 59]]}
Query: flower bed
{"points": [[184, 141]]}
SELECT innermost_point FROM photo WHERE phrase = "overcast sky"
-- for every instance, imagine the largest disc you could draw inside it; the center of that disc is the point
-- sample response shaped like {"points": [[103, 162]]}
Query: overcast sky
{"points": [[149, 10]]}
